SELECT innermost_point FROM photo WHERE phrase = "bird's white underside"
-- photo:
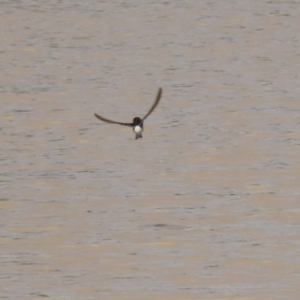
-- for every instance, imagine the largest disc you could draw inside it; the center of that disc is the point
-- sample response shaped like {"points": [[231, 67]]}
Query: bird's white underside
{"points": [[138, 129]]}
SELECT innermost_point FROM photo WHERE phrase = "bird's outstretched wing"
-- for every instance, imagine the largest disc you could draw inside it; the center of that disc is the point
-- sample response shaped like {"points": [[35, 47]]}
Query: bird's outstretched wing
{"points": [[154, 104], [112, 122]]}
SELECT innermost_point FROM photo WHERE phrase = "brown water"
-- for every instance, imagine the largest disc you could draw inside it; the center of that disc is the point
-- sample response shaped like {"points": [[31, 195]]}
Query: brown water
{"points": [[205, 206]]}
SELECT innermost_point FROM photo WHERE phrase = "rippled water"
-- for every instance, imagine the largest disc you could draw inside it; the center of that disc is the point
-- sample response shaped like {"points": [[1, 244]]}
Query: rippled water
{"points": [[205, 206]]}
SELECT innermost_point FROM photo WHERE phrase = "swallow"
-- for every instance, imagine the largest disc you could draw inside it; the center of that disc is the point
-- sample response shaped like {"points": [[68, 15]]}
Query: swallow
{"points": [[137, 123]]}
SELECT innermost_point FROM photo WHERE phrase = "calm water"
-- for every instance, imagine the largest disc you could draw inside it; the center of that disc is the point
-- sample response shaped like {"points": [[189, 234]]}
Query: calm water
{"points": [[205, 206]]}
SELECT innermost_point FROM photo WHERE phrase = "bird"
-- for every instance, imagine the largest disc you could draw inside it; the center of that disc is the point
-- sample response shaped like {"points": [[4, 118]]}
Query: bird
{"points": [[137, 123]]}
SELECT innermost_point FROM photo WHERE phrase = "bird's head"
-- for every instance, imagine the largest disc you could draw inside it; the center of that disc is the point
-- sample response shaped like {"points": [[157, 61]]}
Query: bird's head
{"points": [[137, 121]]}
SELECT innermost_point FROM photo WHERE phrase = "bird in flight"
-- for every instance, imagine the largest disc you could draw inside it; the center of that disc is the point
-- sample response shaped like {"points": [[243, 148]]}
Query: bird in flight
{"points": [[137, 123]]}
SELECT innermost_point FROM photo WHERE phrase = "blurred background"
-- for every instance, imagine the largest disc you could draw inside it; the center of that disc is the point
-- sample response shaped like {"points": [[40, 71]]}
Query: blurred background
{"points": [[205, 206]]}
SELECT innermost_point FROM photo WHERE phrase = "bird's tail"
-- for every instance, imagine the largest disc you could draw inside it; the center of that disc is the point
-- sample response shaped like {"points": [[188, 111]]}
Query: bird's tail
{"points": [[138, 136]]}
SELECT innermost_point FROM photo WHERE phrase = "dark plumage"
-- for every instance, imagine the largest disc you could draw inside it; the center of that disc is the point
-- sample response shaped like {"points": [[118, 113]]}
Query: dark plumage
{"points": [[137, 123]]}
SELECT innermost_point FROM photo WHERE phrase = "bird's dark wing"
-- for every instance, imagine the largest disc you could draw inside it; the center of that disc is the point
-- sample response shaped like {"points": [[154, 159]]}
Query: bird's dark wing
{"points": [[154, 104], [112, 122]]}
